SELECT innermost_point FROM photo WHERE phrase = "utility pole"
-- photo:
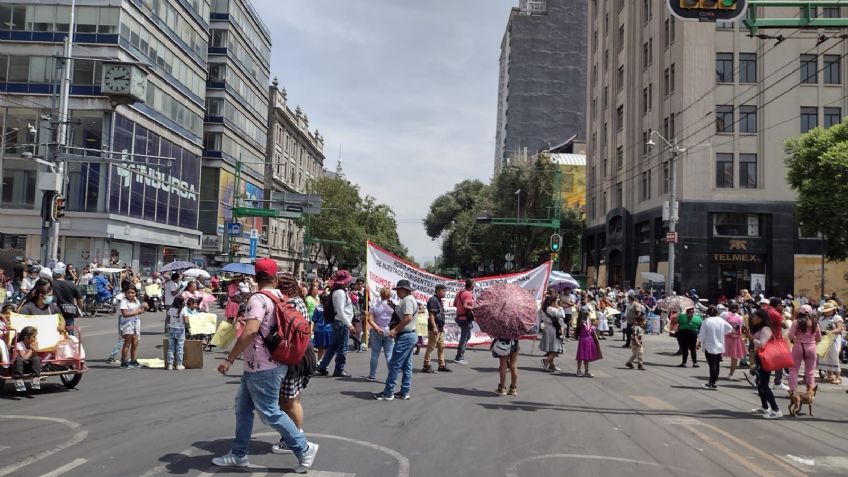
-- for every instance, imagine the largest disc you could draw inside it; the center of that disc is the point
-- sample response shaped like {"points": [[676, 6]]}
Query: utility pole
{"points": [[671, 238], [62, 130]]}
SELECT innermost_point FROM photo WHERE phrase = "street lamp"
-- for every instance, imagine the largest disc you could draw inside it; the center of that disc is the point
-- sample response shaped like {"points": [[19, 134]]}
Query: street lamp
{"points": [[672, 206]]}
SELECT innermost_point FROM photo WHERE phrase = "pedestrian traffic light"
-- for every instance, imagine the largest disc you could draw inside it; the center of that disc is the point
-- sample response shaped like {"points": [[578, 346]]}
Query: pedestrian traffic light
{"points": [[708, 10], [554, 257], [556, 242], [57, 212]]}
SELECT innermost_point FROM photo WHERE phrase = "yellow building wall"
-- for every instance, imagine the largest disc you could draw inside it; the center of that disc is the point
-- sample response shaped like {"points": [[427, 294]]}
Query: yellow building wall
{"points": [[573, 190], [808, 277]]}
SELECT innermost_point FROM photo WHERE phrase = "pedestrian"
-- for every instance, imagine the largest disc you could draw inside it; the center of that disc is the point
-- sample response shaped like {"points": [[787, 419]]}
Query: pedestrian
{"points": [[172, 289], [297, 376], [26, 356], [567, 301], [342, 322], [86, 276], [436, 330], [688, 326], [588, 349], [402, 329], [130, 325], [774, 307], [39, 300], [805, 334], [633, 311], [312, 301], [176, 325], [421, 320], [261, 379], [67, 297], [192, 292], [379, 318], [637, 350], [711, 334], [464, 303], [322, 334], [760, 334], [356, 321], [506, 350], [832, 327], [552, 334], [734, 346]]}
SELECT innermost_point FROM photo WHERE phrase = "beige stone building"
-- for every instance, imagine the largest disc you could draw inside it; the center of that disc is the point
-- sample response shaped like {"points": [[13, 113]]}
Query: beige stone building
{"points": [[731, 101]]}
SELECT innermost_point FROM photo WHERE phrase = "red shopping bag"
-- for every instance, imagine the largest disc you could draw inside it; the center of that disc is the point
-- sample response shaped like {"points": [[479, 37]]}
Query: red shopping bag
{"points": [[776, 355]]}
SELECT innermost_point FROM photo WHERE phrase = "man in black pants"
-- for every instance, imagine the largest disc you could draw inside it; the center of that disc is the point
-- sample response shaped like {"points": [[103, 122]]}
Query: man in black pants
{"points": [[631, 314]]}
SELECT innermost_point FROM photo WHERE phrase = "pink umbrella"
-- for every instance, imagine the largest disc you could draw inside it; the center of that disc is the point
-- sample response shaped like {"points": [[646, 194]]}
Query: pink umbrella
{"points": [[505, 311]]}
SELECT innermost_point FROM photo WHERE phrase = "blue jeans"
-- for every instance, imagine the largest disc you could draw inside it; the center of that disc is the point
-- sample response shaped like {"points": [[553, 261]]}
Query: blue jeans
{"points": [[376, 342], [176, 340], [401, 361], [338, 348], [260, 391], [464, 336]]}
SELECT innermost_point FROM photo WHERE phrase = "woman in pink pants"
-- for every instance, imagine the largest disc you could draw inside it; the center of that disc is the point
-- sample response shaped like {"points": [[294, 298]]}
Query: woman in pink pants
{"points": [[805, 333]]}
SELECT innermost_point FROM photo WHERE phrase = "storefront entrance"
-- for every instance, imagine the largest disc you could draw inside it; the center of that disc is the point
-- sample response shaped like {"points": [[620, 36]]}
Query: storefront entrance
{"points": [[734, 272]]}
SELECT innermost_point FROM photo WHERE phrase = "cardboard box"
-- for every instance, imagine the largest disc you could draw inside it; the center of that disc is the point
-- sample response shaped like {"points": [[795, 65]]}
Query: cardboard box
{"points": [[192, 353]]}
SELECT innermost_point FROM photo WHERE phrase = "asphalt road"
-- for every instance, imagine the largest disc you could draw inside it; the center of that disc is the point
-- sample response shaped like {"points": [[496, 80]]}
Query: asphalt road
{"points": [[657, 422]]}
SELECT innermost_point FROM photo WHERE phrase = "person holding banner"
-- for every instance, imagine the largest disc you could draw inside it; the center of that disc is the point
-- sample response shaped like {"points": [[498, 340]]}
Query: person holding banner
{"points": [[464, 303]]}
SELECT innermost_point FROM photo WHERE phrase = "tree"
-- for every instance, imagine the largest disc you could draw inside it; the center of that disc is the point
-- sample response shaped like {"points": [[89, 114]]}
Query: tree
{"points": [[818, 171], [348, 217]]}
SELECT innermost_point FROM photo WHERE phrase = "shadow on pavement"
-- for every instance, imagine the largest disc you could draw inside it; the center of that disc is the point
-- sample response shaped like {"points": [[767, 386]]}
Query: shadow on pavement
{"points": [[466, 392], [368, 396], [181, 464]]}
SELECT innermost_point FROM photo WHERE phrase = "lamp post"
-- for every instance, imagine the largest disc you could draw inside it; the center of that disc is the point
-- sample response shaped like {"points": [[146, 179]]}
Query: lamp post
{"points": [[672, 206]]}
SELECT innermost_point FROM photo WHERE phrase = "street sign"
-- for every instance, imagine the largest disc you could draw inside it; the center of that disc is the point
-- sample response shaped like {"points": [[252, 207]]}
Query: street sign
{"points": [[671, 237], [309, 204], [255, 212], [234, 229], [253, 241]]}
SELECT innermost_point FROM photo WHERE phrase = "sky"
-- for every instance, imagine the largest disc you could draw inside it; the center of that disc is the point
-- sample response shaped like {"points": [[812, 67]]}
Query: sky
{"points": [[406, 88]]}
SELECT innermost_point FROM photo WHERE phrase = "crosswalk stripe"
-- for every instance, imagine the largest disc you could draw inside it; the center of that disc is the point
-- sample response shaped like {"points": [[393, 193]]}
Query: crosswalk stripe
{"points": [[65, 468]]}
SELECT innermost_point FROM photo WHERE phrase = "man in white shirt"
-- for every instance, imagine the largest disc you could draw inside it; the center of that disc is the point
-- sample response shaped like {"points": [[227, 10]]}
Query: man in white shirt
{"points": [[342, 326], [172, 289], [711, 335]]}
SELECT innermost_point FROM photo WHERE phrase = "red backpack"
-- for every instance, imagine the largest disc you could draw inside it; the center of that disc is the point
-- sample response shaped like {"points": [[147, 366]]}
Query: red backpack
{"points": [[290, 335]]}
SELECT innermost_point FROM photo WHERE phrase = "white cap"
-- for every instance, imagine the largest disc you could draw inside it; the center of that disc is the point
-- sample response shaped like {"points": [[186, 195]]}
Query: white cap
{"points": [[45, 273], [764, 301]]}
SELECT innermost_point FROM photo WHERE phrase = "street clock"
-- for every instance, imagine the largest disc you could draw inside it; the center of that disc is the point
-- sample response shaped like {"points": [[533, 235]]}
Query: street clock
{"points": [[124, 83]]}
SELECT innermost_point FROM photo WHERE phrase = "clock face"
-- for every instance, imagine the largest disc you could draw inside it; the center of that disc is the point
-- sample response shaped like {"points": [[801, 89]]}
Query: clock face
{"points": [[117, 78]]}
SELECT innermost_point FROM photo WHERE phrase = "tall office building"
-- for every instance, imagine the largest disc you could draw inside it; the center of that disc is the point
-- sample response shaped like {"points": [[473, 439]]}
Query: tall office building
{"points": [[141, 215], [731, 101], [542, 84], [295, 157], [235, 131]]}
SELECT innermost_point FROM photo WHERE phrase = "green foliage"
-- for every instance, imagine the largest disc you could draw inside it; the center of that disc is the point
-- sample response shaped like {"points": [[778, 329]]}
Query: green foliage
{"points": [[467, 245], [349, 217], [818, 171]]}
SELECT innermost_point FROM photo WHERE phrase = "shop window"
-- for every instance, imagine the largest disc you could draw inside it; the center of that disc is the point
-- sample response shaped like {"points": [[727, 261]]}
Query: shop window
{"points": [[736, 225]]}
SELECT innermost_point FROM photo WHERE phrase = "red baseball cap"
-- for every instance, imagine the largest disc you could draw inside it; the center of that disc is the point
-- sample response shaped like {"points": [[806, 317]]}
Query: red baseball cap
{"points": [[266, 266]]}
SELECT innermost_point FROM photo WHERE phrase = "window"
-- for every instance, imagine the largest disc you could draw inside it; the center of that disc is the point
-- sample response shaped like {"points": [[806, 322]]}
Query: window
{"points": [[666, 84], [650, 95], [218, 39], [672, 77], [809, 118], [606, 163], [736, 225], [747, 67], [831, 71], [18, 69], [644, 100], [620, 37], [619, 194], [724, 67], [86, 19], [830, 12], [666, 177], [666, 33], [724, 171], [646, 11], [748, 171], [671, 28], [645, 138], [217, 72], [671, 129], [748, 119], [724, 119], [646, 185], [606, 61], [620, 80], [606, 97], [212, 141], [619, 118], [650, 51], [665, 127], [645, 55], [214, 106], [832, 116], [809, 66], [619, 157]]}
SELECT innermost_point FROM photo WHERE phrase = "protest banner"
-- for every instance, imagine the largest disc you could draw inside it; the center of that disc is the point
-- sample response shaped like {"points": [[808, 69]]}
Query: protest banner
{"points": [[385, 269]]}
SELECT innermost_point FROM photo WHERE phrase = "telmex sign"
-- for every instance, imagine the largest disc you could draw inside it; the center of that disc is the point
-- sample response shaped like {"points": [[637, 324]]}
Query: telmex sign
{"points": [[154, 177]]}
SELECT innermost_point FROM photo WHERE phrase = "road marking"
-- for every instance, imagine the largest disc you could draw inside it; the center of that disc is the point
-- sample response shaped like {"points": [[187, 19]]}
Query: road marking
{"points": [[741, 460], [324, 473], [512, 471], [69, 466], [830, 464], [78, 437], [652, 402]]}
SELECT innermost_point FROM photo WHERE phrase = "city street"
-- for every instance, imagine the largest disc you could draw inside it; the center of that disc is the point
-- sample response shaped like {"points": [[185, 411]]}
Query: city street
{"points": [[654, 422]]}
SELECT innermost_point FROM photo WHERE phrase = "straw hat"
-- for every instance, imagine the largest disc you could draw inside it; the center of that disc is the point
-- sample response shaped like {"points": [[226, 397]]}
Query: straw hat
{"points": [[829, 305]]}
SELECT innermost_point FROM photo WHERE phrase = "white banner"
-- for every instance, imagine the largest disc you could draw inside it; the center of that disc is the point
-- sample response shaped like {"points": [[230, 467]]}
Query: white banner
{"points": [[385, 269]]}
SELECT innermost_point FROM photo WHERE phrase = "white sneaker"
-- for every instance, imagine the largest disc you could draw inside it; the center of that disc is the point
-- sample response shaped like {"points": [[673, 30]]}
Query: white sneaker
{"points": [[782, 386], [36, 383], [760, 411], [167, 367], [773, 415], [20, 386], [179, 367], [307, 458], [281, 448], [230, 460]]}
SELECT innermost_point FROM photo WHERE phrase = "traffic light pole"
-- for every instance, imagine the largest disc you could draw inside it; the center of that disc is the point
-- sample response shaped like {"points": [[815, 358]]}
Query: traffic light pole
{"points": [[672, 220]]}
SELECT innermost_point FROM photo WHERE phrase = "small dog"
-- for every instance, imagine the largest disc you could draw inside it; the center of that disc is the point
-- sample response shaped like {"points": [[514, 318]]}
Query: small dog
{"points": [[796, 400]]}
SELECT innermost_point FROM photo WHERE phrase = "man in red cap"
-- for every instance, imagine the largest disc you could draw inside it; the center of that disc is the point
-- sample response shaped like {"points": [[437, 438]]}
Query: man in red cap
{"points": [[261, 379], [342, 321]]}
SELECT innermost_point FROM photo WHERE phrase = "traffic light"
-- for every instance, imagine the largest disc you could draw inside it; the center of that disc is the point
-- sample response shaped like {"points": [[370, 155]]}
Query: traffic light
{"points": [[555, 257], [556, 242], [708, 10], [57, 212]]}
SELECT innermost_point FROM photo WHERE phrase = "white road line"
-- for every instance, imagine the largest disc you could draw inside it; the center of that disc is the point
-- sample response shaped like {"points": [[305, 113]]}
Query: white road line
{"points": [[76, 439], [512, 471], [65, 468], [830, 464], [323, 473]]}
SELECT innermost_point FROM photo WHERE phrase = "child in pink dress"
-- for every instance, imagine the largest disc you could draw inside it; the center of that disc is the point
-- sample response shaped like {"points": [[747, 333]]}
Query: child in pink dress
{"points": [[734, 346], [587, 347], [805, 333]]}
